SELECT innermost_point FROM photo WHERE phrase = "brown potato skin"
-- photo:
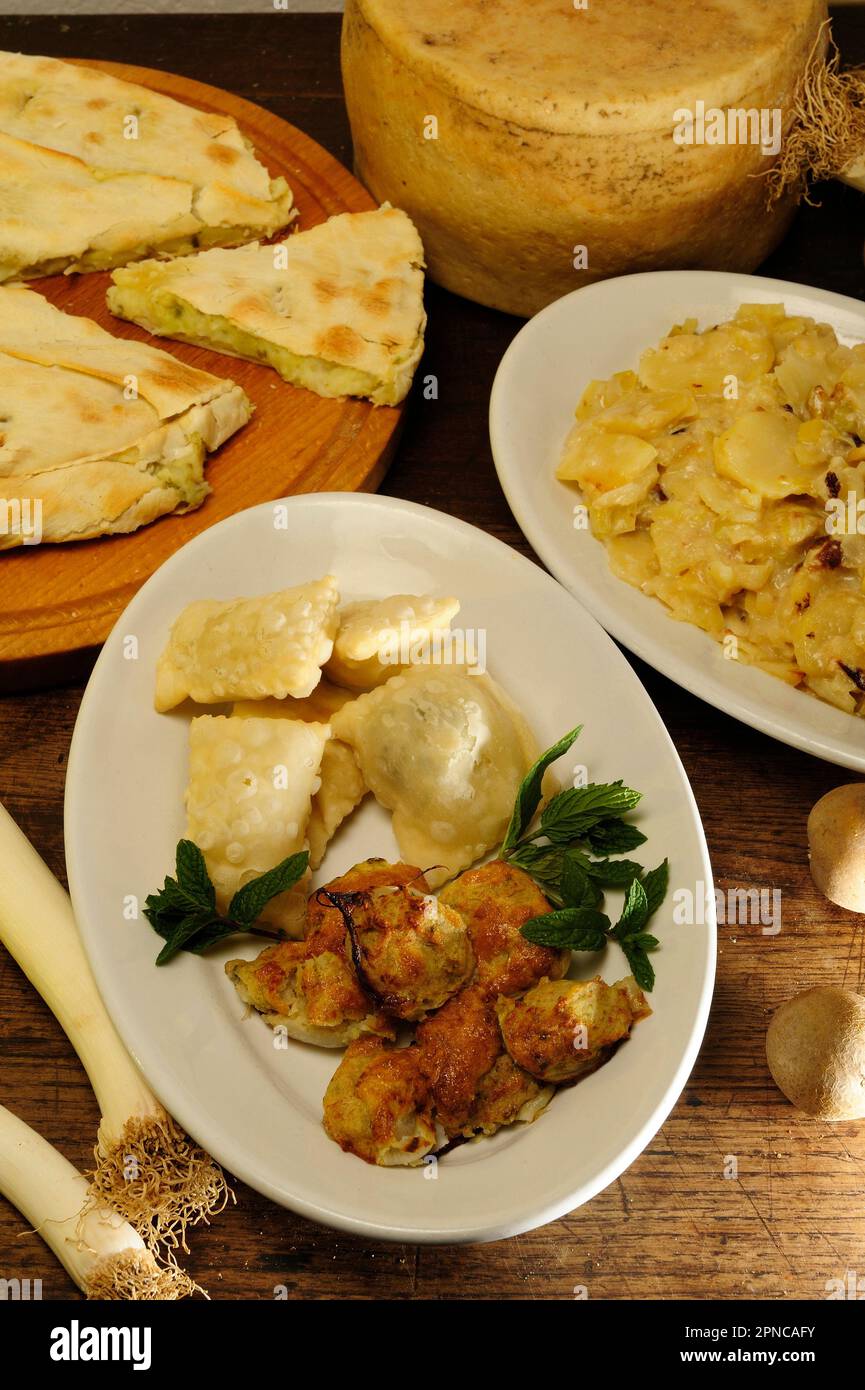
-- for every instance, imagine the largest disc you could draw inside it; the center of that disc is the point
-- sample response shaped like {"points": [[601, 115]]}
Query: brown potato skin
{"points": [[836, 845], [815, 1048]]}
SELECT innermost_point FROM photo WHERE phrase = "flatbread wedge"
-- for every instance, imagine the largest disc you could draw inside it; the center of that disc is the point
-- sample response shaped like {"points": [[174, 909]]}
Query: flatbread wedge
{"points": [[99, 435], [337, 309], [96, 172]]}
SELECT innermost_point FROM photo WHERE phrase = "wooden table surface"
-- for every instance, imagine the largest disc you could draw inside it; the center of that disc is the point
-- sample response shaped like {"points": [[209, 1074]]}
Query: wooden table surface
{"points": [[675, 1225]]}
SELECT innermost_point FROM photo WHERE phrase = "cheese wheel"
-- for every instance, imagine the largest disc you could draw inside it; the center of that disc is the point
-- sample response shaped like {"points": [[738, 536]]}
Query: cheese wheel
{"points": [[515, 133]]}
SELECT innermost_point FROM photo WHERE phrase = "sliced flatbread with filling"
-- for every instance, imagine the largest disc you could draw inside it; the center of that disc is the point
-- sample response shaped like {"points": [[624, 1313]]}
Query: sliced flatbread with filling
{"points": [[96, 172], [337, 309], [105, 435]]}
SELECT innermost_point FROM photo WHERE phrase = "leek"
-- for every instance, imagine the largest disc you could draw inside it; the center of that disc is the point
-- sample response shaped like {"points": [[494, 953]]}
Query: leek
{"points": [[104, 1255], [146, 1167]]}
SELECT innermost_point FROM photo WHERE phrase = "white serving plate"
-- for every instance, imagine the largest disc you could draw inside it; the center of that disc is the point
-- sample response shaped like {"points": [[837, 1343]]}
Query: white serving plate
{"points": [[592, 333], [257, 1109]]}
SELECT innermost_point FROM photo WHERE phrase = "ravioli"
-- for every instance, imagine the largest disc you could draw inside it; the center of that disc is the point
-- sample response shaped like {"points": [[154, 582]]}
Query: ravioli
{"points": [[319, 707], [476, 1088], [310, 988], [342, 786], [251, 784], [495, 901], [249, 648], [342, 789], [378, 637], [377, 1105], [445, 751]]}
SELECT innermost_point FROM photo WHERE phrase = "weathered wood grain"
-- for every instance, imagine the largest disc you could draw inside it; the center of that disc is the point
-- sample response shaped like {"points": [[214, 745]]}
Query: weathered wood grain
{"points": [[673, 1226]]}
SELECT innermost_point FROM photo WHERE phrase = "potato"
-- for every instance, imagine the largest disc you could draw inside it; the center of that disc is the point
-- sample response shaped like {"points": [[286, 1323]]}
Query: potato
{"points": [[757, 452], [599, 462], [687, 361], [836, 844], [815, 1048]]}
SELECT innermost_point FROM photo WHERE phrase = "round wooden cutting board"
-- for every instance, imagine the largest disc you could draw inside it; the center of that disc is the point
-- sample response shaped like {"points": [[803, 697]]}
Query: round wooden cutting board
{"points": [[59, 601]]}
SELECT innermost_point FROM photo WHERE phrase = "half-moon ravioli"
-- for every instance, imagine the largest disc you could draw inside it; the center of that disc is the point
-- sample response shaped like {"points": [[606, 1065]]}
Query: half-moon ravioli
{"points": [[251, 784], [445, 751], [249, 648], [378, 637]]}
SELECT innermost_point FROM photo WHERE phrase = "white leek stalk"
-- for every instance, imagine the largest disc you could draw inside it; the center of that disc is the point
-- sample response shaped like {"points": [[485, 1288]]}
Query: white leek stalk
{"points": [[104, 1255], [146, 1167]]}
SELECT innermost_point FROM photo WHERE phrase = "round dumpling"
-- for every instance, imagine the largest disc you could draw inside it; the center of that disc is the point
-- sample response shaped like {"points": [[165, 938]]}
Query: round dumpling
{"points": [[495, 901], [411, 952], [563, 1029], [445, 751], [378, 1106]]}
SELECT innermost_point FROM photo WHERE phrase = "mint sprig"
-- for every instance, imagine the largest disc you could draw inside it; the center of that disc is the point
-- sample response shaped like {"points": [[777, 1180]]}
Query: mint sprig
{"points": [[184, 913], [643, 898], [529, 795], [568, 850]]}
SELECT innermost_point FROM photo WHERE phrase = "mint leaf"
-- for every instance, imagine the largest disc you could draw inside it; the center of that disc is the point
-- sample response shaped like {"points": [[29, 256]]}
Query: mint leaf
{"points": [[656, 882], [192, 874], [614, 837], [543, 863], [180, 934], [250, 901], [644, 941], [209, 933], [184, 913], [574, 812], [190, 892], [642, 899], [529, 794], [578, 888], [613, 873], [640, 965], [572, 928], [635, 912]]}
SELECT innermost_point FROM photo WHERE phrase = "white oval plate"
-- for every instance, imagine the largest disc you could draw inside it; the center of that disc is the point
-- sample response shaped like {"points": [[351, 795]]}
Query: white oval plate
{"points": [[592, 333], [258, 1109]]}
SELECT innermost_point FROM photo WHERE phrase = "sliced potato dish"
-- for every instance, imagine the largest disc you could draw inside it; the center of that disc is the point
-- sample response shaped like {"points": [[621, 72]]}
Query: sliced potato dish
{"points": [[726, 477]]}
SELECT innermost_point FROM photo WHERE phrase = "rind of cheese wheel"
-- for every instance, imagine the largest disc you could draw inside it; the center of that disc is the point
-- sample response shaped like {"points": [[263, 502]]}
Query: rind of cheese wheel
{"points": [[555, 131]]}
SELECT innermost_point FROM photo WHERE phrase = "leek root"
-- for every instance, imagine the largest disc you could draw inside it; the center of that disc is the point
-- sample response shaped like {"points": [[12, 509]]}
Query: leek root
{"points": [[826, 138], [104, 1255], [146, 1167]]}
